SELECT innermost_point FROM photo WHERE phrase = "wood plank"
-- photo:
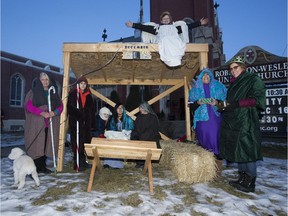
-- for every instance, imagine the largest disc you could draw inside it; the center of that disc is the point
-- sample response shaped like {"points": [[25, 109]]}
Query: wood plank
{"points": [[111, 81], [129, 143], [148, 165], [187, 110], [63, 117], [123, 152], [113, 47], [96, 161]]}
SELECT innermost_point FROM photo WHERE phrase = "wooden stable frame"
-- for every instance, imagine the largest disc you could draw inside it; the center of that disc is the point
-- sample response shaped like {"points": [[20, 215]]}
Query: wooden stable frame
{"points": [[102, 64]]}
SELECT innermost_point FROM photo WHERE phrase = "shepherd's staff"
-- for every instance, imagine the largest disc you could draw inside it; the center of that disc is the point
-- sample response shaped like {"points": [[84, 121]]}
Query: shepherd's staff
{"points": [[51, 126], [77, 133]]}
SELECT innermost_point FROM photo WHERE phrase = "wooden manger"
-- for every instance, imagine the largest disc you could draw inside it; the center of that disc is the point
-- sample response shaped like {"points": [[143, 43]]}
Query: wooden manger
{"points": [[122, 149], [127, 64]]}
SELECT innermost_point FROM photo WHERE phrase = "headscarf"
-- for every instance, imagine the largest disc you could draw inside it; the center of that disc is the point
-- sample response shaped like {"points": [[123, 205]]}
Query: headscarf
{"points": [[217, 91], [86, 91], [127, 122], [104, 110], [145, 106], [40, 97]]}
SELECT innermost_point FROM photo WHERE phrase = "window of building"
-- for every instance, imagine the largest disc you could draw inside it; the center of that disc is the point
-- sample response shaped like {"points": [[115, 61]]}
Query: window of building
{"points": [[17, 90]]}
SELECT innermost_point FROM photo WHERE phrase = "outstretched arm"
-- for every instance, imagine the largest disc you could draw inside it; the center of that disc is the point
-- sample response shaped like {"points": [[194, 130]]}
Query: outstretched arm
{"points": [[147, 28], [201, 22]]}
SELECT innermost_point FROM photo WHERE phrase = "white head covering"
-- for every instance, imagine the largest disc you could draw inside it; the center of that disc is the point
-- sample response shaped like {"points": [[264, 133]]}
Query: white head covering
{"points": [[104, 110]]}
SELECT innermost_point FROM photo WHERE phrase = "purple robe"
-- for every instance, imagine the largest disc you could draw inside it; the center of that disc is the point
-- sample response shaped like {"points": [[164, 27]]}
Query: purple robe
{"points": [[208, 132]]}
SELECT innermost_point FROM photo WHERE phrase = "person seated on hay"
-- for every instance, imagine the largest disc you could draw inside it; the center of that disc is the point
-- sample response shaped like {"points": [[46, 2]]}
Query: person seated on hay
{"points": [[146, 128], [170, 36], [206, 93]]}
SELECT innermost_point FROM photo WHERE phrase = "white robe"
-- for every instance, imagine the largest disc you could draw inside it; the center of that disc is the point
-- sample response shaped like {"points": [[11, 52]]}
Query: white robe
{"points": [[170, 45]]}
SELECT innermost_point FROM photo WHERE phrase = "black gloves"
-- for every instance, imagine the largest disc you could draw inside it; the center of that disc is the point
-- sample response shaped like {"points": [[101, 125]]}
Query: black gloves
{"points": [[231, 106]]}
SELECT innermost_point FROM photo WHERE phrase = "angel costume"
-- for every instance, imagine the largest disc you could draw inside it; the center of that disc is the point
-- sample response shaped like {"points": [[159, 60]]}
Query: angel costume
{"points": [[171, 39]]}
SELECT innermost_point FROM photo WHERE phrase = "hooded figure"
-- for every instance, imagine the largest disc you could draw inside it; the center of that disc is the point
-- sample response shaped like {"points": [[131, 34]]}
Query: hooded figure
{"points": [[206, 94], [80, 104], [119, 122], [102, 120]]}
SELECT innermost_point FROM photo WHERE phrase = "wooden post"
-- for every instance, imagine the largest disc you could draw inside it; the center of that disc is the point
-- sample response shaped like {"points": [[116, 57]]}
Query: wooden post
{"points": [[63, 117], [148, 165], [203, 60], [96, 162], [187, 110]]}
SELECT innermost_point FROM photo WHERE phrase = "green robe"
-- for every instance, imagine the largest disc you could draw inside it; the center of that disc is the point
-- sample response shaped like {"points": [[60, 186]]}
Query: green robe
{"points": [[240, 138]]}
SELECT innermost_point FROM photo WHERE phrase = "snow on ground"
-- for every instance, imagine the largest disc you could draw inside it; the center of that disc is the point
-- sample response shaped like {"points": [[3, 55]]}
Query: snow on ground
{"points": [[212, 199]]}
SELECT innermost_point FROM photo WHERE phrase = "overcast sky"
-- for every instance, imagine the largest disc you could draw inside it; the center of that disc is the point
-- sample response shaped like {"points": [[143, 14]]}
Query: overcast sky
{"points": [[37, 29]]}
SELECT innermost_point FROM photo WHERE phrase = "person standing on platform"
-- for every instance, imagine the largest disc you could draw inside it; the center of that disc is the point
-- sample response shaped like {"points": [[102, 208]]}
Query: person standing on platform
{"points": [[170, 36]]}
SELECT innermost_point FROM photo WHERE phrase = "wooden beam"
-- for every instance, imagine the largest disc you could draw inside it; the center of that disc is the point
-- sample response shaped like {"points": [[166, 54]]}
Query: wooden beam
{"points": [[203, 60], [165, 93], [102, 97], [111, 81], [120, 47], [63, 117], [187, 110], [96, 161], [148, 165]]}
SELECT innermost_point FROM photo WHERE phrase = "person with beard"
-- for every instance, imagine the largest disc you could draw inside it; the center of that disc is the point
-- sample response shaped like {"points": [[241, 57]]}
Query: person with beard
{"points": [[37, 134], [83, 115]]}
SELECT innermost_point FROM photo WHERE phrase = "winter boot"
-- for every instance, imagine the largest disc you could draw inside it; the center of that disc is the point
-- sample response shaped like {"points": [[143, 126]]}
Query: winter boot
{"points": [[218, 168], [236, 182], [80, 168], [247, 184], [40, 164], [83, 162]]}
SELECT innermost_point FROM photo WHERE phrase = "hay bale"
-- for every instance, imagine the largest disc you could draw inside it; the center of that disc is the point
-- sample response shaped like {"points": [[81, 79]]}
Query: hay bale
{"points": [[189, 162]]}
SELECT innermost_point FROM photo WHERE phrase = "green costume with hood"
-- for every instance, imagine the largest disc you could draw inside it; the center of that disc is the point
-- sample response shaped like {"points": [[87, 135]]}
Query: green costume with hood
{"points": [[240, 138]]}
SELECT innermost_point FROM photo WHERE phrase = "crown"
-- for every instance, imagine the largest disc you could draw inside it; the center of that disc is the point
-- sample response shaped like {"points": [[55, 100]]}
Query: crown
{"points": [[237, 59]]}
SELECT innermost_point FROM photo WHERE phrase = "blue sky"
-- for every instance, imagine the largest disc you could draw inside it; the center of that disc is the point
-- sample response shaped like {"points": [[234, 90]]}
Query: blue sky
{"points": [[37, 29]]}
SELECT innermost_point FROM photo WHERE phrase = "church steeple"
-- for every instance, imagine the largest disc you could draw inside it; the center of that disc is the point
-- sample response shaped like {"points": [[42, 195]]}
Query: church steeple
{"points": [[137, 33]]}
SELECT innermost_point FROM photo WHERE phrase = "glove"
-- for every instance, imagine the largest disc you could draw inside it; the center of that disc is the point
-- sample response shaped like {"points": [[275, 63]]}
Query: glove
{"points": [[221, 105], [228, 108], [231, 106]]}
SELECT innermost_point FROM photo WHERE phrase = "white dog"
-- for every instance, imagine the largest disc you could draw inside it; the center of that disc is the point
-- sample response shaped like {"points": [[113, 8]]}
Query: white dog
{"points": [[23, 165]]}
